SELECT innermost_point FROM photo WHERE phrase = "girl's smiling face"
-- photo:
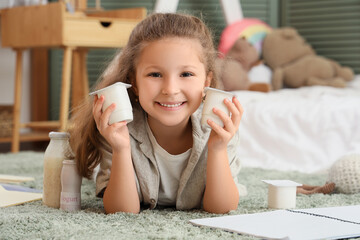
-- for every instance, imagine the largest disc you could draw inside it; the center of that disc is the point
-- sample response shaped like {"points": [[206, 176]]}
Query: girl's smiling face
{"points": [[170, 79]]}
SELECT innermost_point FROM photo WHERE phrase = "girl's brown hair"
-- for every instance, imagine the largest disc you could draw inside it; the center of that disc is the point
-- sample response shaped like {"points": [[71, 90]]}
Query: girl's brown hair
{"points": [[86, 141]]}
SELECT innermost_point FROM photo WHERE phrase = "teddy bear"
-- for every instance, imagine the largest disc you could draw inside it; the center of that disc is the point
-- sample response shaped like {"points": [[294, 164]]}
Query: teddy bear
{"points": [[295, 63], [233, 69]]}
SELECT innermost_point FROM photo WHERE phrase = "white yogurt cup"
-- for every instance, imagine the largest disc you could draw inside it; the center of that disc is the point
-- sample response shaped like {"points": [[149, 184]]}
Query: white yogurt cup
{"points": [[117, 93], [214, 98], [281, 193]]}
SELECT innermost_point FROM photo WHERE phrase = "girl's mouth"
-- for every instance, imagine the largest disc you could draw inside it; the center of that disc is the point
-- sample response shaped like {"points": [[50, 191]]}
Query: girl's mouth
{"points": [[171, 105]]}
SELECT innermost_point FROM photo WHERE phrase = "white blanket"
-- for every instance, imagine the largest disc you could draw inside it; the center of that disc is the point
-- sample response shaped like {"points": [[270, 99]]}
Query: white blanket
{"points": [[305, 129]]}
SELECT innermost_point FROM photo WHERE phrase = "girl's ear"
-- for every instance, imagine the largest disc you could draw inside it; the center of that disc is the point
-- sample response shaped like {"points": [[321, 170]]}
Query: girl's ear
{"points": [[134, 87], [209, 78]]}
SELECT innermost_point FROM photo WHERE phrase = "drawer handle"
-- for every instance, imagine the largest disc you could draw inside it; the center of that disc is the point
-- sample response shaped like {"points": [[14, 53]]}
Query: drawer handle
{"points": [[105, 24]]}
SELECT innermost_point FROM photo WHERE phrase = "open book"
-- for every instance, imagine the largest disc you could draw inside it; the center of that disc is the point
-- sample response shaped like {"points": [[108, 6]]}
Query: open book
{"points": [[14, 179], [302, 224], [11, 198], [11, 194]]}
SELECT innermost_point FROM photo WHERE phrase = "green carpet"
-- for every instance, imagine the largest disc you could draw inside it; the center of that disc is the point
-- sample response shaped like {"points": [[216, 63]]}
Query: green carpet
{"points": [[35, 221]]}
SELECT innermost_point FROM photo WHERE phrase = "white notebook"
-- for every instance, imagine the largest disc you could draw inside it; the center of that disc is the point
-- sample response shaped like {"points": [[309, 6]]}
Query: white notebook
{"points": [[302, 224], [12, 198], [14, 179]]}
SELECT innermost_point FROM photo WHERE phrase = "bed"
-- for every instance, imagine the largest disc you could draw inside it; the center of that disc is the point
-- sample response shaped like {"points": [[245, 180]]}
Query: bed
{"points": [[305, 129]]}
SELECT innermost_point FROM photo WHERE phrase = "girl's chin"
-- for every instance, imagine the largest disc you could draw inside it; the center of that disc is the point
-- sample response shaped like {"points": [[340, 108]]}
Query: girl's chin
{"points": [[168, 122]]}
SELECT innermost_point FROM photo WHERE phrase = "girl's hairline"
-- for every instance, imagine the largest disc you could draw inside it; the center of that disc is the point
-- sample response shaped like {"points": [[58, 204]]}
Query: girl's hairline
{"points": [[144, 43]]}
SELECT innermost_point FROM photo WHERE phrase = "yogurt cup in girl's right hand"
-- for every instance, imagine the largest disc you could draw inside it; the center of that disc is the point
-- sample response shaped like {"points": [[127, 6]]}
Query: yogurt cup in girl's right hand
{"points": [[214, 98], [117, 93]]}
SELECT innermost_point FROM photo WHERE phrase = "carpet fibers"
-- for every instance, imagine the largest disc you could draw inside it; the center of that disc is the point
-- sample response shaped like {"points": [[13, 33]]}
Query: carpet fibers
{"points": [[36, 221]]}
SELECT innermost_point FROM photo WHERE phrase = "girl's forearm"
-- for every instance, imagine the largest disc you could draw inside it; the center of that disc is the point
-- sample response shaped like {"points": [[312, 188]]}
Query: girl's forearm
{"points": [[121, 193], [221, 194]]}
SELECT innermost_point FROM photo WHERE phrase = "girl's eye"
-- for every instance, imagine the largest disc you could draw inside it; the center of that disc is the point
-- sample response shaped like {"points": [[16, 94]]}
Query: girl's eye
{"points": [[187, 74], [154, 74]]}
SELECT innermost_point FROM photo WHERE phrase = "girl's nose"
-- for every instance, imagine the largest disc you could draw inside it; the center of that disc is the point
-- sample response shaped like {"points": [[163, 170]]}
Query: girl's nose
{"points": [[170, 86]]}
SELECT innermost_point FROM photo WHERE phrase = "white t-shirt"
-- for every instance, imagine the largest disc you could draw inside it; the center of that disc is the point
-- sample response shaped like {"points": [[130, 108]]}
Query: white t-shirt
{"points": [[170, 169]]}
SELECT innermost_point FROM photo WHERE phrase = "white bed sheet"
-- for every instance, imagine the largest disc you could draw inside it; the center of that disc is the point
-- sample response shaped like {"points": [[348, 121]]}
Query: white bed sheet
{"points": [[305, 129]]}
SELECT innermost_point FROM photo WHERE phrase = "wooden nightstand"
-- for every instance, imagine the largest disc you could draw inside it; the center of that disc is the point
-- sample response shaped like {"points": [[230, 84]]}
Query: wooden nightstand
{"points": [[51, 26]]}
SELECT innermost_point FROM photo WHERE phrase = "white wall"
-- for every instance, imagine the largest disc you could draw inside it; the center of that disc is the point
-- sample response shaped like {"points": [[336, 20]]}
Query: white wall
{"points": [[7, 80]]}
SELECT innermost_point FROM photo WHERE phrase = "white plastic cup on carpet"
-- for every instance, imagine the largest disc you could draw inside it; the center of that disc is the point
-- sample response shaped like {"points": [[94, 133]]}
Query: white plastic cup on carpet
{"points": [[117, 93], [281, 193], [214, 98]]}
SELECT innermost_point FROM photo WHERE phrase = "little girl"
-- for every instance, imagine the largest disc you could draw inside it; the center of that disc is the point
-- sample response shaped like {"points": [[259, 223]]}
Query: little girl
{"points": [[164, 156]]}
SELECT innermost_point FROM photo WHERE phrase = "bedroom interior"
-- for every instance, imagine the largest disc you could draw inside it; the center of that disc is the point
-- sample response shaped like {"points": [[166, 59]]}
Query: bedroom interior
{"points": [[297, 134]]}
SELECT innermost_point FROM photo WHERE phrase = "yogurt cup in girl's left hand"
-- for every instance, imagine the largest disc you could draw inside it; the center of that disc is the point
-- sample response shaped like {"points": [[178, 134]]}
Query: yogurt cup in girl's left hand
{"points": [[214, 98], [117, 93]]}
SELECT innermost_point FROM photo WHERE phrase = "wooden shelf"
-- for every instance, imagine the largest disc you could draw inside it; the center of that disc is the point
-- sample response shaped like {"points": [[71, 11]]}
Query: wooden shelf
{"points": [[39, 131], [42, 124], [29, 137]]}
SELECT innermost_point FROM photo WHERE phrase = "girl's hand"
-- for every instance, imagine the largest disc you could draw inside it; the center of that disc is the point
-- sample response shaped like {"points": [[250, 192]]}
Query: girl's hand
{"points": [[220, 137], [116, 134]]}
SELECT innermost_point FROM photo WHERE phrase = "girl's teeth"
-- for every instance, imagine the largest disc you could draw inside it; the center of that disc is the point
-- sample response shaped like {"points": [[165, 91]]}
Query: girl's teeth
{"points": [[170, 105]]}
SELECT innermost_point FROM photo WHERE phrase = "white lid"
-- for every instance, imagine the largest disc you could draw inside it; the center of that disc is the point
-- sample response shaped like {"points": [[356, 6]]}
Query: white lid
{"points": [[218, 90], [59, 135], [117, 83], [68, 161], [282, 183]]}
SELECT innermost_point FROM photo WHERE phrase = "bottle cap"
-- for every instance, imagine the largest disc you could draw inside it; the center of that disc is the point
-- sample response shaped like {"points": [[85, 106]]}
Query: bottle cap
{"points": [[69, 162], [59, 135]]}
